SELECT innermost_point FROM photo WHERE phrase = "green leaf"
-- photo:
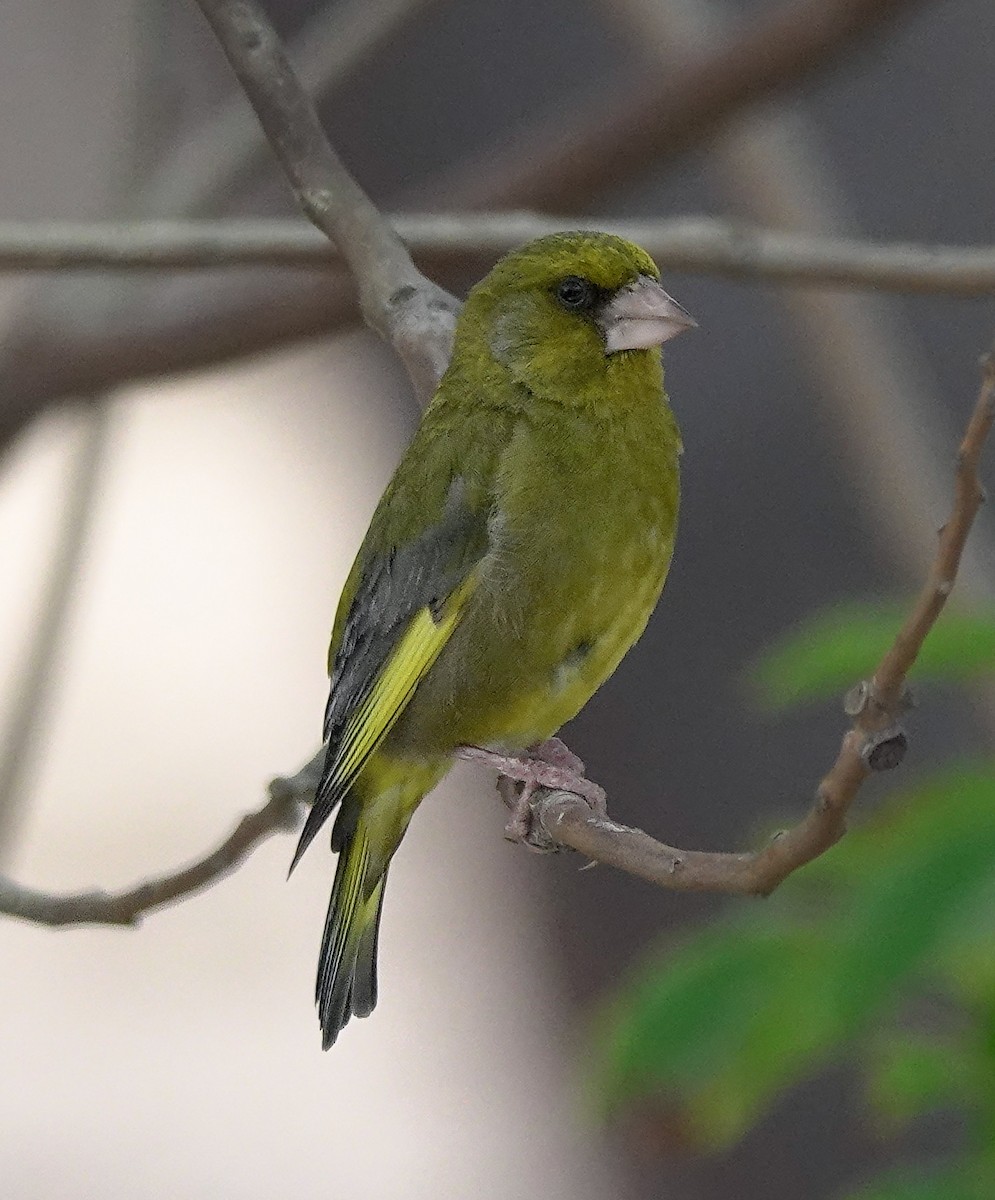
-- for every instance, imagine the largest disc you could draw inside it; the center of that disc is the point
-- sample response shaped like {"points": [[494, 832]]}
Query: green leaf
{"points": [[718, 1027], [911, 1073], [940, 858], [967, 962], [830, 652]]}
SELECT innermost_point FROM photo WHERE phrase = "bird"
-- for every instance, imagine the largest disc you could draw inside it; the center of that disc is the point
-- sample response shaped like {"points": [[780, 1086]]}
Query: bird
{"points": [[514, 557]]}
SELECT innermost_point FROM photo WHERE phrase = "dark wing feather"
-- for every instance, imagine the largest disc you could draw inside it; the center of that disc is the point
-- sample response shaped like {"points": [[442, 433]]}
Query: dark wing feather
{"points": [[395, 585]]}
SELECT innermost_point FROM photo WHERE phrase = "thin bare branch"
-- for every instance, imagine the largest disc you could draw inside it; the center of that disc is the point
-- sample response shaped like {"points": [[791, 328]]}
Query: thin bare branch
{"points": [[409, 311], [281, 813], [696, 245], [230, 318], [199, 330], [603, 137], [874, 742]]}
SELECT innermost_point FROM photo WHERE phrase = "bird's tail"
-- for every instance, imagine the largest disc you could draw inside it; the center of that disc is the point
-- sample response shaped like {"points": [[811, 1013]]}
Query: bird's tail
{"points": [[367, 831], [347, 966]]}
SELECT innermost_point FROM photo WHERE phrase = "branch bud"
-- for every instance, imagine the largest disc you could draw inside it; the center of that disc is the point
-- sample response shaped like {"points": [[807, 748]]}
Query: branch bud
{"points": [[883, 751]]}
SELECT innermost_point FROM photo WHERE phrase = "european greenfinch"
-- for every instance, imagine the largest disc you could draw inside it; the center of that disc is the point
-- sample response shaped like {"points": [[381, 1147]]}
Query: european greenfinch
{"points": [[513, 559]]}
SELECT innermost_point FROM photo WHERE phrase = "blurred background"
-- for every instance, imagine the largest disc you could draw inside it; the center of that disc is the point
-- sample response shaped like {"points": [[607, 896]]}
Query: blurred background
{"points": [[172, 545]]}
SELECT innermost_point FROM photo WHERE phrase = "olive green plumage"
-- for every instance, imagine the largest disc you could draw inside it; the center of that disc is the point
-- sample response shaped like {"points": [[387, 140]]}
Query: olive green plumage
{"points": [[515, 556]]}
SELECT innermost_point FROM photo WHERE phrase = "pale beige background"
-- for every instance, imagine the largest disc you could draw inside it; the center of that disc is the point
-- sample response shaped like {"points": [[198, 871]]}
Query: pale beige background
{"points": [[183, 1058]]}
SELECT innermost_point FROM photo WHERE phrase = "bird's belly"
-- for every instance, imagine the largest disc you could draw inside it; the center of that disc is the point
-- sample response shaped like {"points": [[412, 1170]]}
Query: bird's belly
{"points": [[539, 703], [592, 641], [512, 675]]}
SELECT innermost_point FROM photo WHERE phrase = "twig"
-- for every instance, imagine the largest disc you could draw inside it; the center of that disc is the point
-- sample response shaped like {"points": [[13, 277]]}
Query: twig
{"points": [[409, 311], [281, 813], [874, 742], [696, 245], [377, 258], [600, 138]]}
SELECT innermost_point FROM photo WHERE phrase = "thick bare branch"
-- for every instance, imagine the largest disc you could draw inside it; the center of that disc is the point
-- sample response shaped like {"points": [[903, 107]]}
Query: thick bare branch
{"points": [[410, 312], [204, 330], [230, 320], [874, 742], [696, 245], [282, 812]]}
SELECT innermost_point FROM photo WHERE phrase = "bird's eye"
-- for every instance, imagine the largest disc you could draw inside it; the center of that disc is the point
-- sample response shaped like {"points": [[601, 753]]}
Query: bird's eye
{"points": [[575, 293]]}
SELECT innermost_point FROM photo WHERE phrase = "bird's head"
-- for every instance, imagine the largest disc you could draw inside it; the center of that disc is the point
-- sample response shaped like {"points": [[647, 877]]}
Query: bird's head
{"points": [[566, 310]]}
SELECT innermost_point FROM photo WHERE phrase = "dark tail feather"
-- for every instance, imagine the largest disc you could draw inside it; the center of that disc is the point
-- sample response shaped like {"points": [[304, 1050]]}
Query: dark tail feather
{"points": [[364, 978], [346, 983]]}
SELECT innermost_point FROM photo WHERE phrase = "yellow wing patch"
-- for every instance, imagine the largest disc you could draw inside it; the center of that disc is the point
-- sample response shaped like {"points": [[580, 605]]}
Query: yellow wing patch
{"points": [[420, 645]]}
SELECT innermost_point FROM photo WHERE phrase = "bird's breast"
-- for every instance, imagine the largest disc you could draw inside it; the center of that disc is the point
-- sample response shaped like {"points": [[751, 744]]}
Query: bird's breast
{"points": [[581, 536]]}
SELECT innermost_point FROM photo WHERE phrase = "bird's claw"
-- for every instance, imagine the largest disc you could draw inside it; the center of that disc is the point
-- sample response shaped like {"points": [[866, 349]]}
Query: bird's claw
{"points": [[548, 765]]}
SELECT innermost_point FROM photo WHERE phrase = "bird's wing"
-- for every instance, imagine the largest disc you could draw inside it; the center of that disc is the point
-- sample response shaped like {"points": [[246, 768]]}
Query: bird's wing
{"points": [[406, 601]]}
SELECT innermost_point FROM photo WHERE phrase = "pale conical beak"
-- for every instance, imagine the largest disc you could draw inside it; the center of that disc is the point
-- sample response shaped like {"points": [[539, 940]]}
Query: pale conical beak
{"points": [[642, 315]]}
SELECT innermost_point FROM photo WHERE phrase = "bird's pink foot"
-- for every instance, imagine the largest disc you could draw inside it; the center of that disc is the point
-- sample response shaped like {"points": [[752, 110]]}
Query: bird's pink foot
{"points": [[548, 765], [557, 754]]}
